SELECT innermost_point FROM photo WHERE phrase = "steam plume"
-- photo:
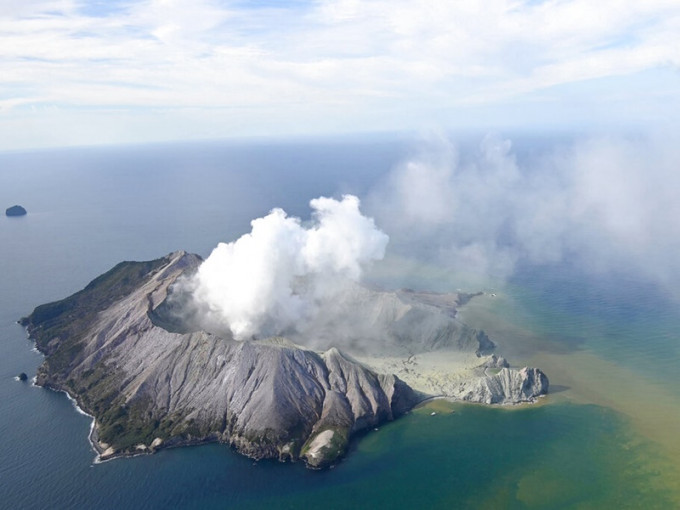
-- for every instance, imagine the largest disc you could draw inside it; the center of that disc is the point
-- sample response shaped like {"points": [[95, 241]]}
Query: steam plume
{"points": [[271, 278]]}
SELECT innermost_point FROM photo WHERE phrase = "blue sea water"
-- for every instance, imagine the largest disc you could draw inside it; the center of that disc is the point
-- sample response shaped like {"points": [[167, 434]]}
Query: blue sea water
{"points": [[91, 208]]}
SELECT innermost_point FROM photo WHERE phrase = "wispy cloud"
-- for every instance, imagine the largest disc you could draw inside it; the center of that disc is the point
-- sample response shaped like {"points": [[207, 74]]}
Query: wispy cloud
{"points": [[317, 66]]}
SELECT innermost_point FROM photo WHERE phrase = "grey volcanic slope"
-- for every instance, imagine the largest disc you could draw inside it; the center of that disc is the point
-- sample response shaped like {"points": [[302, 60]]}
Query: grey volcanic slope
{"points": [[366, 321], [149, 387]]}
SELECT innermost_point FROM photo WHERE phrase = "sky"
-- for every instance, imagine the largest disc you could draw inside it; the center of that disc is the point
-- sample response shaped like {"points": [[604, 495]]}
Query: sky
{"points": [[82, 72]]}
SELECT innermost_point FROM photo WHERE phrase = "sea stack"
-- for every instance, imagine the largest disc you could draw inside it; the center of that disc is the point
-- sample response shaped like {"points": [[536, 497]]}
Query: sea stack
{"points": [[15, 210]]}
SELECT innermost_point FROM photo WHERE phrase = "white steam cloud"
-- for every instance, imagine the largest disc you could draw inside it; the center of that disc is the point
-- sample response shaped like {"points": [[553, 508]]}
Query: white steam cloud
{"points": [[605, 204], [601, 203], [272, 278]]}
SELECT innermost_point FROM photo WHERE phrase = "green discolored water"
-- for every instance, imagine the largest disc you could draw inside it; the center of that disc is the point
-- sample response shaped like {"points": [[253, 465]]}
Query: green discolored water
{"points": [[600, 349], [548, 456]]}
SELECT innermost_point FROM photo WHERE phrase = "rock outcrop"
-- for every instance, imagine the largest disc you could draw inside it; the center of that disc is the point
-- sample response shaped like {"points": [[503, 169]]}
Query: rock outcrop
{"points": [[15, 210], [496, 362], [508, 386]]}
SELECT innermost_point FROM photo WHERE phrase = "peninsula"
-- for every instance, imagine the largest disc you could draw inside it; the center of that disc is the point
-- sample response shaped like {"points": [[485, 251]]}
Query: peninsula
{"points": [[150, 380]]}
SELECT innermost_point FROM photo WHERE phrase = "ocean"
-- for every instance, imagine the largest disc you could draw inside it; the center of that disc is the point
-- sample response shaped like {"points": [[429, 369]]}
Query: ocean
{"points": [[606, 437]]}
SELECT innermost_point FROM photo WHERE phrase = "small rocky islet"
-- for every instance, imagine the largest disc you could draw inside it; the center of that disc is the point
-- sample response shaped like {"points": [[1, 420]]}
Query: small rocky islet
{"points": [[15, 210], [150, 384]]}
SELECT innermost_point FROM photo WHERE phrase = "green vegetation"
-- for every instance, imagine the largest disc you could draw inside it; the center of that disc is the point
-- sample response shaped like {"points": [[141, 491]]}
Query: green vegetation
{"points": [[126, 425]]}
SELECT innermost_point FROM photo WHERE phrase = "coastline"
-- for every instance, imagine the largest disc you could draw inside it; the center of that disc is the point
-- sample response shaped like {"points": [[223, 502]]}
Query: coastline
{"points": [[91, 436], [421, 371]]}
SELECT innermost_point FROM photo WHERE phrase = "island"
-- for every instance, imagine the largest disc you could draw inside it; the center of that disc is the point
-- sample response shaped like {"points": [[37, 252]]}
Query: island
{"points": [[15, 210], [151, 379]]}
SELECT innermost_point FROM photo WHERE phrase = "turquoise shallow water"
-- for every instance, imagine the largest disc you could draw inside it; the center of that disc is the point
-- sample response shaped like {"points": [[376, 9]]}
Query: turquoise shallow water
{"points": [[89, 209]]}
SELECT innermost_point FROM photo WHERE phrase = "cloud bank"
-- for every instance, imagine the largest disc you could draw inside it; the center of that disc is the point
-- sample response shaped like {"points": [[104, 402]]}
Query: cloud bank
{"points": [[87, 71], [602, 204], [274, 277]]}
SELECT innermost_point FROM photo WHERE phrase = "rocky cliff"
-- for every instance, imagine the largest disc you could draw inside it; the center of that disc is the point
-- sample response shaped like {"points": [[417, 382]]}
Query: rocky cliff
{"points": [[508, 386]]}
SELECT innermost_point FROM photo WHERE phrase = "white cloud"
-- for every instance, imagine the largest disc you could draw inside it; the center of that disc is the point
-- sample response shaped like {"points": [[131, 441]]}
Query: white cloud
{"points": [[272, 278], [602, 203], [348, 63]]}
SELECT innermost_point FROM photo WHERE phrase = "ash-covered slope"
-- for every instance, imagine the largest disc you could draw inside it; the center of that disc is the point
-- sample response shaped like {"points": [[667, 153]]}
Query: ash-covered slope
{"points": [[147, 386], [366, 321]]}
